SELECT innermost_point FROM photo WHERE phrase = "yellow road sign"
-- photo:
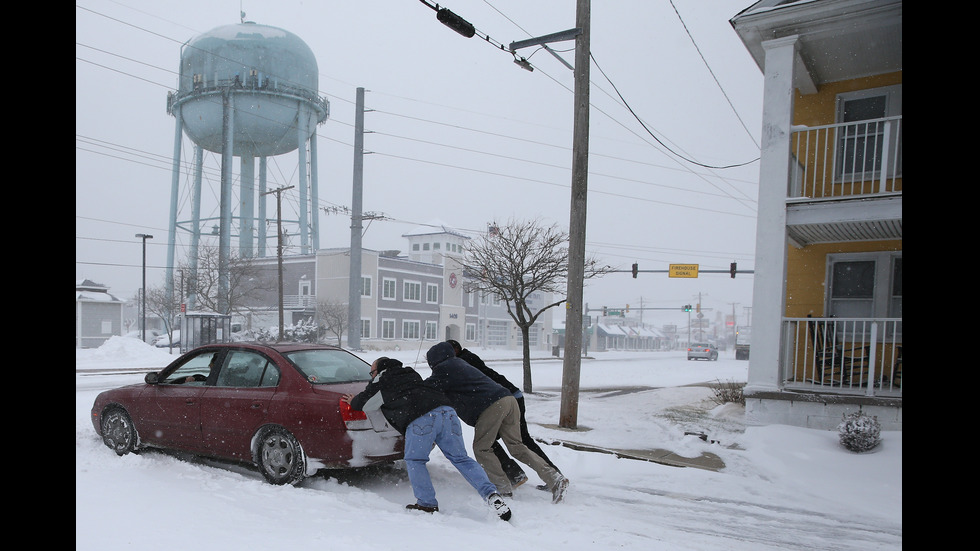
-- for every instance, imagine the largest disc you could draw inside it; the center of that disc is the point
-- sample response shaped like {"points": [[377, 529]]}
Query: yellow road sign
{"points": [[683, 270]]}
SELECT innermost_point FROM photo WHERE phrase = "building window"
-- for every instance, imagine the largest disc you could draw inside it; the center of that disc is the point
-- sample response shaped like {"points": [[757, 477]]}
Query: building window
{"points": [[366, 286], [387, 329], [410, 330], [412, 291], [861, 145], [431, 330], [388, 288], [470, 332], [865, 285], [431, 293], [436, 245], [415, 246], [366, 328], [425, 246]]}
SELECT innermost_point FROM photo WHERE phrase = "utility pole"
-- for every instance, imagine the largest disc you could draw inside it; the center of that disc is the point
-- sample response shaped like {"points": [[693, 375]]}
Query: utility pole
{"points": [[354, 288], [572, 366], [144, 237], [278, 193]]}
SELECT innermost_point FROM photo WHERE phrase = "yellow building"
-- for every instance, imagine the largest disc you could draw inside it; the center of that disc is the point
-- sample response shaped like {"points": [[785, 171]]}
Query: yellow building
{"points": [[827, 295]]}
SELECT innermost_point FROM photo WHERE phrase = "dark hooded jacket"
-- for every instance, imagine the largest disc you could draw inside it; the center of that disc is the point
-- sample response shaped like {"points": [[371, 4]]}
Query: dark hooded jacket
{"points": [[477, 362], [405, 397], [470, 391]]}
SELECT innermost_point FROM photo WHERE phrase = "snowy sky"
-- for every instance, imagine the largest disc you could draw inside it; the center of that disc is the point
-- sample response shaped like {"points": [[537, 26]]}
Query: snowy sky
{"points": [[782, 488], [458, 132]]}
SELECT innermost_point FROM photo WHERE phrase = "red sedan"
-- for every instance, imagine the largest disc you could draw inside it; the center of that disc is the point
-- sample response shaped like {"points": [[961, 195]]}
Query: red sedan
{"points": [[276, 406]]}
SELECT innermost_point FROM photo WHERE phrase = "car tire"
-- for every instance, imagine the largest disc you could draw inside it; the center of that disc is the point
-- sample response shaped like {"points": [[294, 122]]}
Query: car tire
{"points": [[118, 431], [280, 457]]}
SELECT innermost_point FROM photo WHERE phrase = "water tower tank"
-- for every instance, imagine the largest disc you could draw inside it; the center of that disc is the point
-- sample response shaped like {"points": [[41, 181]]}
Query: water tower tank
{"points": [[248, 91], [272, 75]]}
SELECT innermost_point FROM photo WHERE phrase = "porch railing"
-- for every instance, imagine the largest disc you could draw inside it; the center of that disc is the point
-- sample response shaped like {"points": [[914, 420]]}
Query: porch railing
{"points": [[299, 302], [845, 159], [844, 355]]}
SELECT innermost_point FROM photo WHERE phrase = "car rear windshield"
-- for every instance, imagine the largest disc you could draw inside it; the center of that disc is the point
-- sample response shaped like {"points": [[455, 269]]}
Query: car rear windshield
{"points": [[330, 366]]}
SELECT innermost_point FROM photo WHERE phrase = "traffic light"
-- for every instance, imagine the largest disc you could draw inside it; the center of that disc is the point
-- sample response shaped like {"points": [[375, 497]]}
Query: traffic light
{"points": [[699, 307], [604, 310], [636, 269], [455, 22], [686, 308], [627, 308], [732, 269]]}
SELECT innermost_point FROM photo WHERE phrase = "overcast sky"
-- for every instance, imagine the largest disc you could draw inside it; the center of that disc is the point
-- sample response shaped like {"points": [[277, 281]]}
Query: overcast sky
{"points": [[458, 133]]}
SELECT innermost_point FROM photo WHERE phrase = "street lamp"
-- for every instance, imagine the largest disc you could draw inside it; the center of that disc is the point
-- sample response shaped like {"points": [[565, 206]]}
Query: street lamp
{"points": [[144, 237]]}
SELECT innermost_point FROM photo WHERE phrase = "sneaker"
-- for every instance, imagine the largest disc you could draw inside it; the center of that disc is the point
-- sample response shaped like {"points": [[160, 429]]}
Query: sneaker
{"points": [[498, 506], [418, 507], [558, 490], [543, 487], [518, 480]]}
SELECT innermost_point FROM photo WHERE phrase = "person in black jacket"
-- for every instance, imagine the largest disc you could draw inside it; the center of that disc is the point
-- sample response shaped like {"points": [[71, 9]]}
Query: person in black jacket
{"points": [[426, 418], [511, 468], [493, 413]]}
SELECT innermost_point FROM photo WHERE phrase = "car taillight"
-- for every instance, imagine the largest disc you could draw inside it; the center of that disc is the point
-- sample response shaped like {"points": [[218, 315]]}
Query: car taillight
{"points": [[348, 414], [688, 349]]}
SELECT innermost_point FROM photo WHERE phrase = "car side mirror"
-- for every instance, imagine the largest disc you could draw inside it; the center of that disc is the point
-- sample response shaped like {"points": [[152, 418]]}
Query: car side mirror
{"points": [[152, 378]]}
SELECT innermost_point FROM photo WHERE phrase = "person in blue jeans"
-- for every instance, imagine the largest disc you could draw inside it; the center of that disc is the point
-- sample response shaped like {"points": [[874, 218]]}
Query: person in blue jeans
{"points": [[426, 418]]}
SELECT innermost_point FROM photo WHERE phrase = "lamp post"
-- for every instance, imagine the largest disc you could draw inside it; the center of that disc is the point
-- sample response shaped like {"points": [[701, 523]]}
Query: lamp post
{"points": [[143, 289]]}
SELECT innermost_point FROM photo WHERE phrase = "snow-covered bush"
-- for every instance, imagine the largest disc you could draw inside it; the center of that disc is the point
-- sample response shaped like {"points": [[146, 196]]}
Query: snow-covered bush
{"points": [[304, 331], [859, 432]]}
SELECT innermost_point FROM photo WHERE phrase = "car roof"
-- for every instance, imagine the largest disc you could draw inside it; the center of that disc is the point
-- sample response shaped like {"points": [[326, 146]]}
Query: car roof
{"points": [[281, 347]]}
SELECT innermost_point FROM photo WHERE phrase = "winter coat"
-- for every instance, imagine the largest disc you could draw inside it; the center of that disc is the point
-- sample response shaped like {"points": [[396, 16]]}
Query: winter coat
{"points": [[477, 362], [405, 397], [469, 390]]}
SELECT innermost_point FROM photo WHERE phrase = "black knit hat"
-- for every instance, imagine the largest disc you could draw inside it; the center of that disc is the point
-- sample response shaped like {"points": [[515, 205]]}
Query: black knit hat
{"points": [[385, 362], [455, 344]]}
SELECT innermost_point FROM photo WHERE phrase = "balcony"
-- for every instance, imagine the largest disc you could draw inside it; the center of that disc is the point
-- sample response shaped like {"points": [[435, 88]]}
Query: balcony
{"points": [[859, 356], [299, 302], [845, 182]]}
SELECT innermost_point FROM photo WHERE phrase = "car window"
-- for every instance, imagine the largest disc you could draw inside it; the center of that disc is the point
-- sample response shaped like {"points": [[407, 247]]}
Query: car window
{"points": [[194, 371], [330, 366], [247, 369]]}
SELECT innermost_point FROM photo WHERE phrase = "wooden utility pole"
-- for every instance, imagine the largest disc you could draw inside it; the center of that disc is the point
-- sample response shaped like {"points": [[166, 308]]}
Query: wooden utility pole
{"points": [[278, 193], [571, 369]]}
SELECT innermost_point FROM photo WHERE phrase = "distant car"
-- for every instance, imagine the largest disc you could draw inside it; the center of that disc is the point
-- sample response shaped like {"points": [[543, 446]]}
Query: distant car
{"points": [[275, 406], [702, 351], [163, 341]]}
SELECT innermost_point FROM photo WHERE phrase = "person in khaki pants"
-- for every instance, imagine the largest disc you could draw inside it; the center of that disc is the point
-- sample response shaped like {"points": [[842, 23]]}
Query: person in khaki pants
{"points": [[493, 413]]}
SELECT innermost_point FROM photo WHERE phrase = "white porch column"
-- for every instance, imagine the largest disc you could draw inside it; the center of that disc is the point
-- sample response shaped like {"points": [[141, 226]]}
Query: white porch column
{"points": [[769, 287]]}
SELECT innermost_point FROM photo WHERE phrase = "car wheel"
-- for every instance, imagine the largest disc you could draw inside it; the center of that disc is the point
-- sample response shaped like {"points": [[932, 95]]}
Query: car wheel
{"points": [[280, 457], [118, 431]]}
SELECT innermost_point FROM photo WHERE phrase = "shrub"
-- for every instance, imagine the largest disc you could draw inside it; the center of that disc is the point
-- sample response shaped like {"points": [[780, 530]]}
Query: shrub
{"points": [[859, 432], [728, 392]]}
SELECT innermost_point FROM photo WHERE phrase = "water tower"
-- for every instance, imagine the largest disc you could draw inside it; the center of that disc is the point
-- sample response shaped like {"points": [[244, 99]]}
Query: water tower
{"points": [[248, 91]]}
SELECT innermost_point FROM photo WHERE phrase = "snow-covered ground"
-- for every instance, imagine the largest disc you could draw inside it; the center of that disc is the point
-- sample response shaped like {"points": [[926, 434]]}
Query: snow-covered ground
{"points": [[782, 487]]}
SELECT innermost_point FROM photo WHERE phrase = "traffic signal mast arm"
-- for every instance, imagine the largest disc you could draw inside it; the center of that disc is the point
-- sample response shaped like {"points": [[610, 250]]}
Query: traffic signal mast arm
{"points": [[732, 270]]}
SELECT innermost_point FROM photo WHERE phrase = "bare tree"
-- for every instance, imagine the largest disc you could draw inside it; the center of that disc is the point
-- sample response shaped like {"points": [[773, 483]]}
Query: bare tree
{"points": [[158, 304], [248, 282], [517, 260], [332, 318]]}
